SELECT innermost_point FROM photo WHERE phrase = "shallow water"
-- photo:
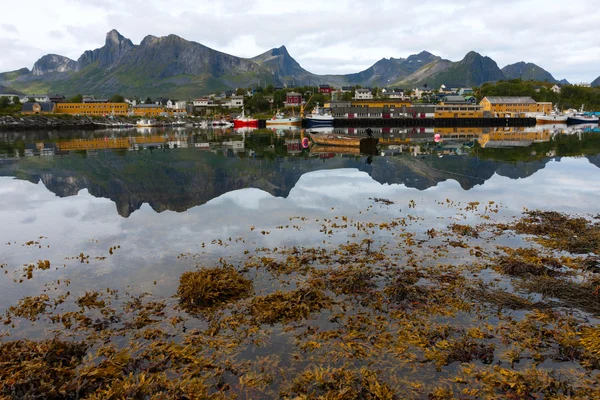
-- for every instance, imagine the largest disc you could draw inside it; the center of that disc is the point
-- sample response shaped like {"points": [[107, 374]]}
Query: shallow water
{"points": [[166, 211]]}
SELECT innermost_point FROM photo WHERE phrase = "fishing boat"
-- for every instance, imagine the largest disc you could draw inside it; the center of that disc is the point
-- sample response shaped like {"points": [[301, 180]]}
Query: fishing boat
{"points": [[243, 121], [281, 119], [319, 118], [332, 139], [553, 117], [581, 117]]}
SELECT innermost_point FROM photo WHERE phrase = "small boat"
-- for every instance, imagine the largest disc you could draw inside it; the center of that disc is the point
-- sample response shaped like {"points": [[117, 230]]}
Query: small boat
{"points": [[332, 139], [243, 121], [319, 118], [280, 119], [581, 117]]}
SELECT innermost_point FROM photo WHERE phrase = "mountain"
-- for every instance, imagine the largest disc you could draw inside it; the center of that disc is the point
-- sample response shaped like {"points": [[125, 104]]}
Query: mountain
{"points": [[596, 82], [285, 69], [157, 66], [7, 90], [528, 71], [173, 66], [385, 71], [473, 70]]}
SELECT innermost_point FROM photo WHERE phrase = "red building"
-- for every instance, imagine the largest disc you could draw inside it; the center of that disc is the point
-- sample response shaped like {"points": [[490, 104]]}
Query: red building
{"points": [[325, 89], [293, 99]]}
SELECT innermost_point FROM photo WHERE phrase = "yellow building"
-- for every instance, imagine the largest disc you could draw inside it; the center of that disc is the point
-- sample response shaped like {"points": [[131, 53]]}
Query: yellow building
{"points": [[92, 108], [148, 110], [465, 110], [512, 105], [391, 103]]}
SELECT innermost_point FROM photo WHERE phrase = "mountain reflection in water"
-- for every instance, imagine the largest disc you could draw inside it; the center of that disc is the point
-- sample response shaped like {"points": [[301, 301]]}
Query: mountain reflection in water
{"points": [[172, 169]]}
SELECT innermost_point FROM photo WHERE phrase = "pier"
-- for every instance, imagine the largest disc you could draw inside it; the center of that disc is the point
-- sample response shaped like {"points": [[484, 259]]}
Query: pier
{"points": [[431, 122]]}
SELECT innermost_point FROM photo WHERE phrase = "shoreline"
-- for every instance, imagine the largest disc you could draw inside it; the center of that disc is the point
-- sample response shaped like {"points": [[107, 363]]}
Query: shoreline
{"points": [[21, 122]]}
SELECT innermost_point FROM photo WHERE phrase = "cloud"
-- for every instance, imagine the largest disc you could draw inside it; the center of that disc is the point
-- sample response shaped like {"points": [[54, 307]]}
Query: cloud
{"points": [[338, 36]]}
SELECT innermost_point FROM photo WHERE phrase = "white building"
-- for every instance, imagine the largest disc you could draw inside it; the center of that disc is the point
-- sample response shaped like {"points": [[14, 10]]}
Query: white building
{"points": [[555, 89], [38, 98], [176, 104], [363, 94], [203, 102], [236, 102]]}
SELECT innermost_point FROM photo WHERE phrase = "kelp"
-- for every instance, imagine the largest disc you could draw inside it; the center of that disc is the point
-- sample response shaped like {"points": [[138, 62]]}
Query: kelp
{"points": [[288, 306], [394, 311], [211, 287], [577, 235], [40, 369]]}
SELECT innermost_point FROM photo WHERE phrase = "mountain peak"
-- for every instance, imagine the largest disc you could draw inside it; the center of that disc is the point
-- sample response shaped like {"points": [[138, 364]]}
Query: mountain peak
{"points": [[115, 39], [472, 55], [527, 71], [53, 63]]}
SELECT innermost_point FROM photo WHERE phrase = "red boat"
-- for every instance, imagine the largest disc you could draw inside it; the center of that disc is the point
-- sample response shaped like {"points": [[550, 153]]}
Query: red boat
{"points": [[243, 121]]}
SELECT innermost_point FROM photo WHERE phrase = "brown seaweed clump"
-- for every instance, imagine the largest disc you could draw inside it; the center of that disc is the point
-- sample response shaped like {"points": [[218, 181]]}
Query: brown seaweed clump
{"points": [[212, 287], [339, 383], [290, 306], [559, 231], [527, 261], [43, 369]]}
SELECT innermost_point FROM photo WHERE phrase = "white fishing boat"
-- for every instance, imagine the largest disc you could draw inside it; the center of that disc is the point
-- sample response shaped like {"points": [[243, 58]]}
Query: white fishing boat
{"points": [[319, 118], [281, 119], [553, 117]]}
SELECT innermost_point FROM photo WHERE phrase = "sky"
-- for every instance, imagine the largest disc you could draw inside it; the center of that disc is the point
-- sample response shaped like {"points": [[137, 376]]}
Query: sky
{"points": [[332, 37]]}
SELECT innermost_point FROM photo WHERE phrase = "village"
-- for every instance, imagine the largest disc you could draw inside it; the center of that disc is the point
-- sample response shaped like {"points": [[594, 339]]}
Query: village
{"points": [[345, 103]]}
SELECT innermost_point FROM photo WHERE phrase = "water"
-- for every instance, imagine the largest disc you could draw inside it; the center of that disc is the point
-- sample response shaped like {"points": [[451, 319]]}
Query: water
{"points": [[164, 211]]}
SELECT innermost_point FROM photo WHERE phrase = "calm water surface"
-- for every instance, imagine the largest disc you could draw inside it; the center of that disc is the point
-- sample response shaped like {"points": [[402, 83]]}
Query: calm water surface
{"points": [[239, 187]]}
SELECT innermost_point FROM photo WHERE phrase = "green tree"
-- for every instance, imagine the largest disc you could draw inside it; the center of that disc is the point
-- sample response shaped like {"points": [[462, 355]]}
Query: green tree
{"points": [[347, 96], [76, 99], [4, 102], [240, 91], [148, 100], [117, 98], [31, 100], [16, 100]]}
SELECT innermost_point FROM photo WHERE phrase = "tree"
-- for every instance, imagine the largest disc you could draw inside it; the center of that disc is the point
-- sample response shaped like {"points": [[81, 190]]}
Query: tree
{"points": [[4, 102], [117, 98], [148, 100], [16, 100], [76, 99], [31, 100], [240, 92]]}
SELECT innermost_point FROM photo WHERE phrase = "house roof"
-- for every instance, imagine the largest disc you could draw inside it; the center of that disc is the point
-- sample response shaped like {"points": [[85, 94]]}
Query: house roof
{"points": [[46, 106], [455, 99], [363, 91], [148, 106], [293, 94], [510, 100]]}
